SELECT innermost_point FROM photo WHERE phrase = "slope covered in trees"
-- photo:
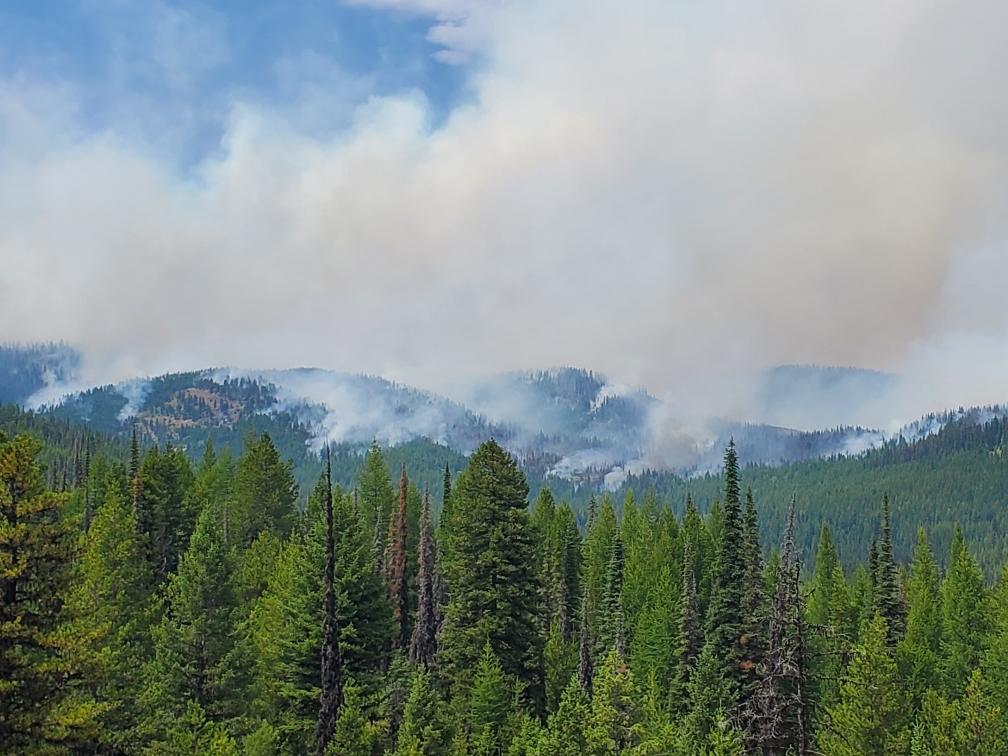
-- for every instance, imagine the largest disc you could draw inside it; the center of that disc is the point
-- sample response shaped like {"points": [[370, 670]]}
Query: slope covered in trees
{"points": [[161, 606]]}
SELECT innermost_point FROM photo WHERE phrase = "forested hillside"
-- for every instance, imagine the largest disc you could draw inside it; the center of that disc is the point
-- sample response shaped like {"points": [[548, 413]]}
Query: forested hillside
{"points": [[160, 606]]}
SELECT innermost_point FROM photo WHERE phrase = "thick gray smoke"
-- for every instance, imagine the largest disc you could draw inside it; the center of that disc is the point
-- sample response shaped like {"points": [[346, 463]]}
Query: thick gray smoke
{"points": [[678, 195]]}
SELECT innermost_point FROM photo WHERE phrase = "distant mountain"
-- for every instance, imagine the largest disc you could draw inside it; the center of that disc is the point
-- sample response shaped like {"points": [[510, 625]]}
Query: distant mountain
{"points": [[564, 424]]}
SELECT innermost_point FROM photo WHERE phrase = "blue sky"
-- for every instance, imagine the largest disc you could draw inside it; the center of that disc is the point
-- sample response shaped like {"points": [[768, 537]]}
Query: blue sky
{"points": [[169, 72]]}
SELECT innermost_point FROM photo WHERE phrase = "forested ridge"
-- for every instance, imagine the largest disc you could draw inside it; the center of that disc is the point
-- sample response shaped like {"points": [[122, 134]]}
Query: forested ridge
{"points": [[154, 605]]}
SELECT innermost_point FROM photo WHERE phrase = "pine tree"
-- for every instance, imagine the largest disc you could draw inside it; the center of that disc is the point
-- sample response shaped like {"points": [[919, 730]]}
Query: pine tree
{"points": [[709, 694], [821, 588], [918, 651], [265, 492], [37, 708], [166, 516], [754, 626], [353, 733], [376, 495], [193, 663], [565, 731], [112, 611], [726, 618], [974, 724], [331, 692], [779, 720], [420, 733], [493, 585], [870, 718], [614, 722], [965, 618], [994, 664], [423, 642], [586, 668], [888, 596], [690, 635], [489, 706], [612, 631], [396, 577], [560, 659]]}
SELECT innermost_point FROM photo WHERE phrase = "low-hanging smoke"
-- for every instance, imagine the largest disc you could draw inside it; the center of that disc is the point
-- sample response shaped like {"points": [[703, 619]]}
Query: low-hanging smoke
{"points": [[676, 195]]}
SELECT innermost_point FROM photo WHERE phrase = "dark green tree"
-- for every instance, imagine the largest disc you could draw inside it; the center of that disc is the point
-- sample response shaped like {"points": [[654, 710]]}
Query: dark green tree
{"points": [[493, 585]]}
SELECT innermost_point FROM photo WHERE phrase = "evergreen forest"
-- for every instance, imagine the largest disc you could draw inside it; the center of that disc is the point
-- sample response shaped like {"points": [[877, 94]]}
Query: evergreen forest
{"points": [[150, 603]]}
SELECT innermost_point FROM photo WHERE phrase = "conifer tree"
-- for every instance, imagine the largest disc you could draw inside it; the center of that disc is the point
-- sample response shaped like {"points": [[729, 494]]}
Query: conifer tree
{"points": [[396, 577], [420, 733], [423, 642], [870, 717], [377, 498], [586, 668], [612, 626], [493, 584], [560, 659], [37, 709], [779, 717], [709, 695], [994, 664], [973, 724], [489, 706], [194, 643], [112, 611], [565, 731], [821, 588], [331, 689], [888, 595], [918, 651], [754, 625], [965, 618], [166, 515], [614, 722], [265, 492], [690, 635], [725, 617]]}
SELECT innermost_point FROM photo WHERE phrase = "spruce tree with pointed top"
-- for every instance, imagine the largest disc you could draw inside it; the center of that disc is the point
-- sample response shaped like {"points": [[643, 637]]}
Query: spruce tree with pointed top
{"points": [[396, 574], [612, 630], [888, 593], [585, 645], [423, 641], [725, 616], [755, 624], [690, 633], [331, 695], [778, 720]]}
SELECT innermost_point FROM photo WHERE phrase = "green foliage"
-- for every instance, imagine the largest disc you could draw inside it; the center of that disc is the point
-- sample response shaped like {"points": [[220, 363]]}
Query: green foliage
{"points": [[870, 717], [265, 493], [964, 617], [493, 584], [37, 708], [614, 723]]}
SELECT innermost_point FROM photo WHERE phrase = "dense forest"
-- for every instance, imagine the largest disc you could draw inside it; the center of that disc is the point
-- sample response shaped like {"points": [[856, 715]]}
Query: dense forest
{"points": [[155, 605]]}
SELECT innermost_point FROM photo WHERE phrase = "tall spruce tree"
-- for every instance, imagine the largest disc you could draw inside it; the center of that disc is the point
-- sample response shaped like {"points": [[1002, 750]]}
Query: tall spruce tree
{"points": [[37, 707], [918, 651], [726, 615], [493, 583], [331, 689], [755, 621], [888, 592], [586, 667], [612, 630], [396, 574], [965, 617], [377, 498], [423, 641], [779, 717], [690, 632]]}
